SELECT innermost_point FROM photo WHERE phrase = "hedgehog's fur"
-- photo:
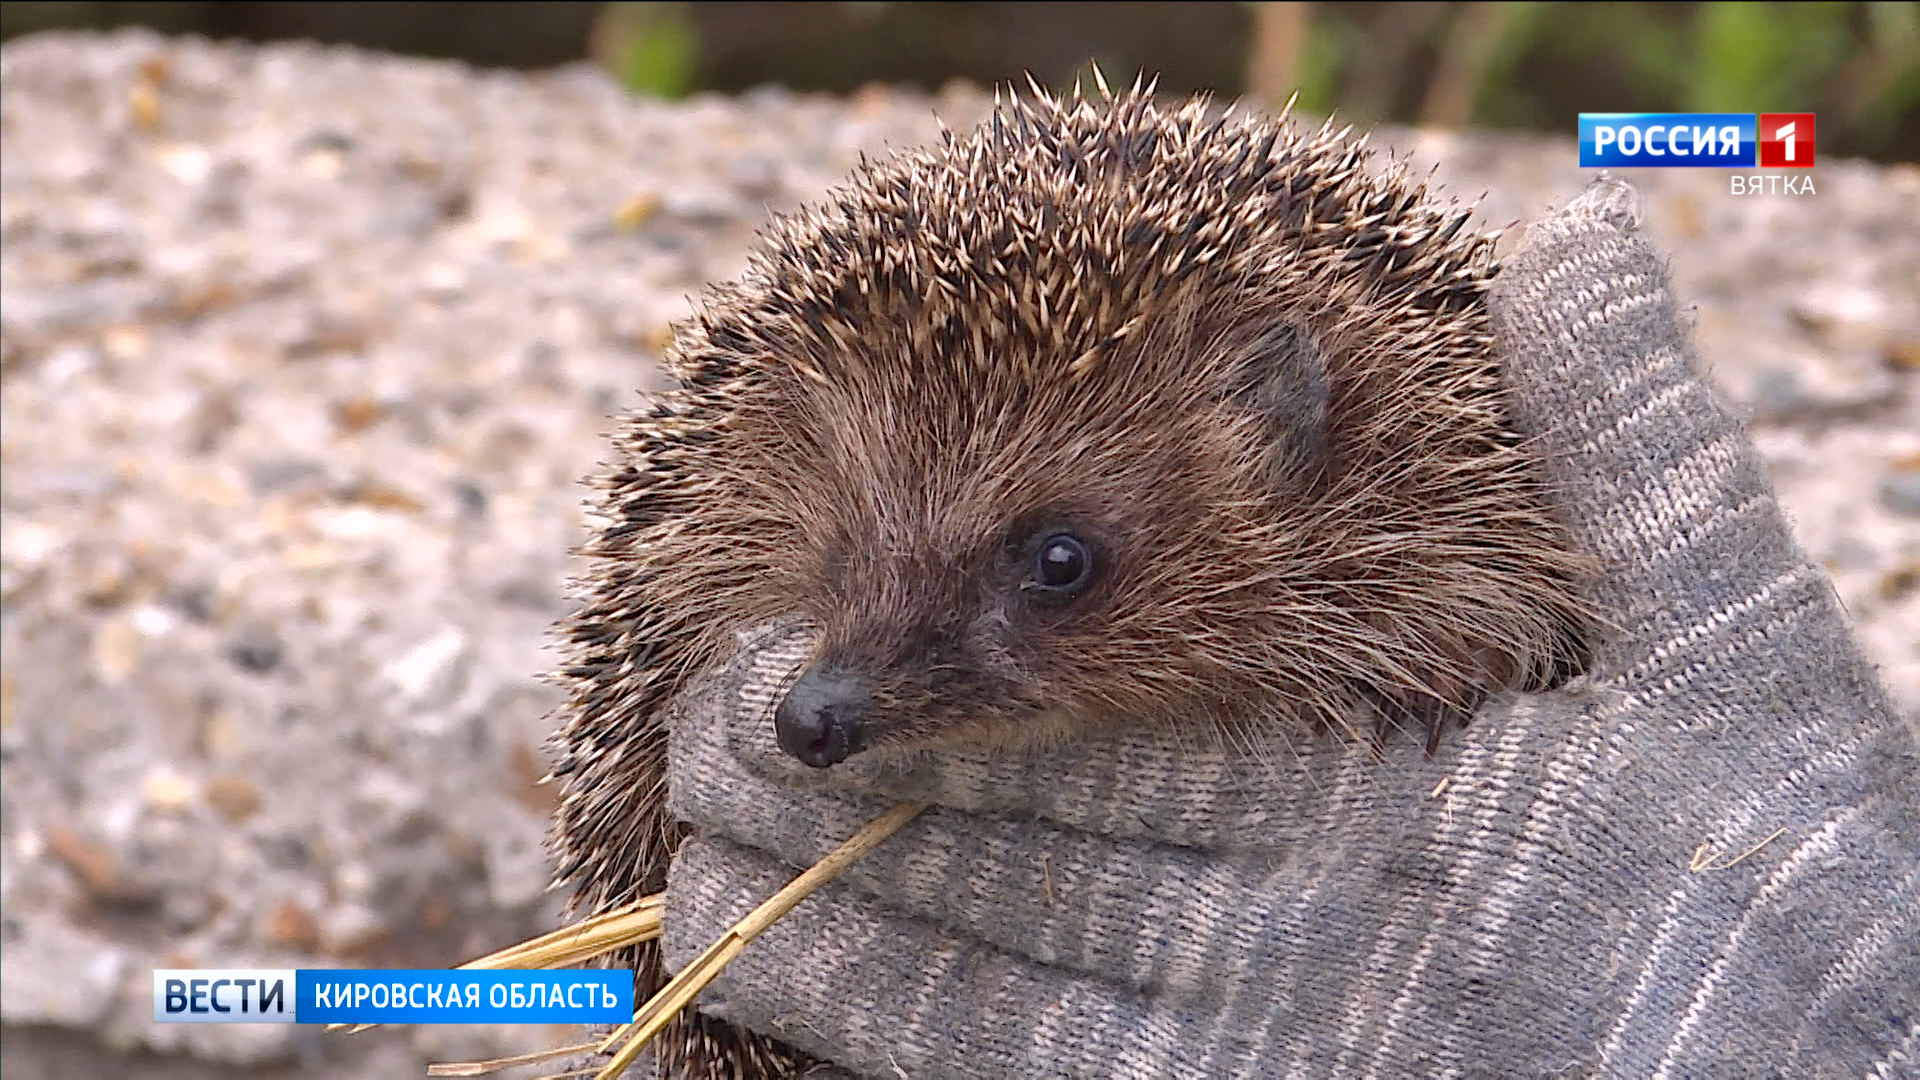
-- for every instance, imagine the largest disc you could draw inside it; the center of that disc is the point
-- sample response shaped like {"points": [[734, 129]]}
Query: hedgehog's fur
{"points": [[1258, 375]]}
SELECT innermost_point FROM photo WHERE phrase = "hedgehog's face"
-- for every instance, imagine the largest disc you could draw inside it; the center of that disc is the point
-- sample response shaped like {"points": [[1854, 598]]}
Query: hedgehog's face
{"points": [[1005, 565], [967, 668], [979, 643], [972, 634]]}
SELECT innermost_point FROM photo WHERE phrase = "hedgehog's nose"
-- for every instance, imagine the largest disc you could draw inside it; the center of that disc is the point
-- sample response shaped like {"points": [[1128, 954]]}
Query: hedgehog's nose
{"points": [[821, 720]]}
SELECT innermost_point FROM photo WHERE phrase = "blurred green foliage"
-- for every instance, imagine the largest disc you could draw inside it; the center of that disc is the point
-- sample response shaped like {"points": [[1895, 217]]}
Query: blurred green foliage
{"points": [[652, 48], [1856, 63], [1760, 57], [1770, 57], [1531, 65], [1860, 61], [1323, 55]]}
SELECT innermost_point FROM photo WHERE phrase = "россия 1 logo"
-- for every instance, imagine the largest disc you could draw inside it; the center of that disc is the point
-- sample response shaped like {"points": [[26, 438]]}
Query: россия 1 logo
{"points": [[1705, 140]]}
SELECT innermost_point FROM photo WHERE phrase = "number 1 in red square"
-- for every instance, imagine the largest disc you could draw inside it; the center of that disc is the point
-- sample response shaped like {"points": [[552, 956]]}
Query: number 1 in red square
{"points": [[1786, 140]]}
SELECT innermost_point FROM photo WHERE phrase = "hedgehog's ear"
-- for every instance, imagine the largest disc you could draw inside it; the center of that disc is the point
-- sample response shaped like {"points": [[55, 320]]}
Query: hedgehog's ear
{"points": [[1280, 374]]}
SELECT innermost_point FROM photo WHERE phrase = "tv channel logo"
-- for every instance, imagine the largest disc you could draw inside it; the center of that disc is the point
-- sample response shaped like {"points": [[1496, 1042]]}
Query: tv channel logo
{"points": [[1697, 140]]}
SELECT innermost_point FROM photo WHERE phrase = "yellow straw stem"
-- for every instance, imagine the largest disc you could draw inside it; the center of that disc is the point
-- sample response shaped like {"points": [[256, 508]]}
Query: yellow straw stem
{"points": [[630, 925], [683, 987], [576, 944], [482, 1068]]}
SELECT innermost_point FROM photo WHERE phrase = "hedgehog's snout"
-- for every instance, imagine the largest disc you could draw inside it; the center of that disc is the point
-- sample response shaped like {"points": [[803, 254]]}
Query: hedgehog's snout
{"points": [[822, 720]]}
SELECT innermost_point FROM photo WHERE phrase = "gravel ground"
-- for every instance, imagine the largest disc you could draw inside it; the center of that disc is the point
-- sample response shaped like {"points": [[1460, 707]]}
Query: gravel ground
{"points": [[303, 351]]}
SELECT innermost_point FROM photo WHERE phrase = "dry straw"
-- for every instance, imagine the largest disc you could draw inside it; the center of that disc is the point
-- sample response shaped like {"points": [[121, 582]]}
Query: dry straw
{"points": [[640, 922]]}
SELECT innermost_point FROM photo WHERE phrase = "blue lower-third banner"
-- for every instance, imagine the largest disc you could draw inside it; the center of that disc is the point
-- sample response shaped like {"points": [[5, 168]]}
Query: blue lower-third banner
{"points": [[391, 996]]}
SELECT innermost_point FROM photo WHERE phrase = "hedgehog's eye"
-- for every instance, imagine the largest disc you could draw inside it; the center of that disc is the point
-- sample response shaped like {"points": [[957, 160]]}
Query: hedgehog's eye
{"points": [[1062, 565]]}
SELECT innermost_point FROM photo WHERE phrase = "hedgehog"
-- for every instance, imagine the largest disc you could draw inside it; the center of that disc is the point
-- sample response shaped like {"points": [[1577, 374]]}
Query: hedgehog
{"points": [[1108, 413]]}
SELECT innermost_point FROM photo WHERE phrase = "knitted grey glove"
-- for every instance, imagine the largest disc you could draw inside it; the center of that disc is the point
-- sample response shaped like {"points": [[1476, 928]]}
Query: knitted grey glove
{"points": [[1550, 895]]}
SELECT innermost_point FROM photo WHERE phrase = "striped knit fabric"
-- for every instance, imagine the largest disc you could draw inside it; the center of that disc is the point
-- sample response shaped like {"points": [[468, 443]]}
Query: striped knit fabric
{"points": [[1701, 861]]}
